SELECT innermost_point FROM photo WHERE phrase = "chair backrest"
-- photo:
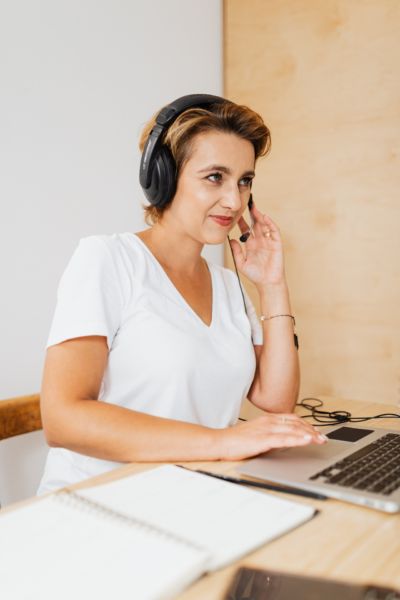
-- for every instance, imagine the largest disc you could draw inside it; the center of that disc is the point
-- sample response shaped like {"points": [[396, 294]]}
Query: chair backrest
{"points": [[19, 415]]}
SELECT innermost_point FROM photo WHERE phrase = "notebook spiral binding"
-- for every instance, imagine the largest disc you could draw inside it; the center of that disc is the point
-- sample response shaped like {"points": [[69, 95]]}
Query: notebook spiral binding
{"points": [[73, 500]]}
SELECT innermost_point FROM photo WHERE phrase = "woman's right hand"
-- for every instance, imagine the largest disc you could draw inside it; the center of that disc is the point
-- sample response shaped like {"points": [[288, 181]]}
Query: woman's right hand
{"points": [[264, 433]]}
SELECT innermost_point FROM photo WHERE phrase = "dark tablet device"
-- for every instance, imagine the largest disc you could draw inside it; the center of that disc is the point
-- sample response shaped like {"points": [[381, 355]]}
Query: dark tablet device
{"points": [[255, 584]]}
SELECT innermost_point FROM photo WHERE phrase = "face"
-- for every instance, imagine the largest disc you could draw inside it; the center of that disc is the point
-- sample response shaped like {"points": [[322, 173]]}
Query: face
{"points": [[213, 187]]}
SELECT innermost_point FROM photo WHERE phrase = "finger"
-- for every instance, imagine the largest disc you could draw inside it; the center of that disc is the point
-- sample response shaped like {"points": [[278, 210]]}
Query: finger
{"points": [[293, 424], [269, 221], [263, 233], [289, 417], [257, 216], [260, 217], [263, 230], [237, 253], [246, 232], [298, 432], [287, 441], [243, 226], [271, 225], [263, 223], [294, 419]]}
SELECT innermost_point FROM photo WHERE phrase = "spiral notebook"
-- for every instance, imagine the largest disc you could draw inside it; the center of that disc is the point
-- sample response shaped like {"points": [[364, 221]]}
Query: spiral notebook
{"points": [[143, 537]]}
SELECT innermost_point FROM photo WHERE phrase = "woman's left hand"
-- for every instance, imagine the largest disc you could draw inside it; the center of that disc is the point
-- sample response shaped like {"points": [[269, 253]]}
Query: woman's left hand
{"points": [[260, 258]]}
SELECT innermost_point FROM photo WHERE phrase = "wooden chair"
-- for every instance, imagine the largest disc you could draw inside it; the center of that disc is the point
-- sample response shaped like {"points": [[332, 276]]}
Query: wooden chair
{"points": [[19, 415]]}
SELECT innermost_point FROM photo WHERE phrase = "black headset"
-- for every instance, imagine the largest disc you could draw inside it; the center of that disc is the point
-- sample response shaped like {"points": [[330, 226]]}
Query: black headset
{"points": [[157, 167]]}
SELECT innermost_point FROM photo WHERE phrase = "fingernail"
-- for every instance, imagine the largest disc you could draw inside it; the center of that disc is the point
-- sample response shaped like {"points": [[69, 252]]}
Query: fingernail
{"points": [[323, 437]]}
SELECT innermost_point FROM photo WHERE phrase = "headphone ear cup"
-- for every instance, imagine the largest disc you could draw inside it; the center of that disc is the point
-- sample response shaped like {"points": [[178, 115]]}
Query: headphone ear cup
{"points": [[163, 179]]}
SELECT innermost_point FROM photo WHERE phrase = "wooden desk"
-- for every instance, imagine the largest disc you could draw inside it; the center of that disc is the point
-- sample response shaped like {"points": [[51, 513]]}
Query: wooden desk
{"points": [[344, 542]]}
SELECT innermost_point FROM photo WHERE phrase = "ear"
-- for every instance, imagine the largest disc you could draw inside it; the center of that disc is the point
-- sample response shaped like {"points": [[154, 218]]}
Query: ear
{"points": [[163, 179]]}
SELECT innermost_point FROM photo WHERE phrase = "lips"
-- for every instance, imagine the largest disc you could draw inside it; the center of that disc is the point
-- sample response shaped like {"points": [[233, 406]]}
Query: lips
{"points": [[221, 220]]}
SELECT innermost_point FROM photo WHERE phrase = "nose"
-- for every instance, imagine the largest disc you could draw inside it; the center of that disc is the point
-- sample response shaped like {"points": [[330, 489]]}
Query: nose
{"points": [[232, 198]]}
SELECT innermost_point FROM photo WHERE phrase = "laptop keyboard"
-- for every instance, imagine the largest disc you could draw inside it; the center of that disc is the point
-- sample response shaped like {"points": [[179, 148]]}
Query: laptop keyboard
{"points": [[374, 468]]}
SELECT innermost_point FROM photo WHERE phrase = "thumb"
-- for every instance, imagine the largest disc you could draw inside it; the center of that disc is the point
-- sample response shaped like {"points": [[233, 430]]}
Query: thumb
{"points": [[237, 253]]}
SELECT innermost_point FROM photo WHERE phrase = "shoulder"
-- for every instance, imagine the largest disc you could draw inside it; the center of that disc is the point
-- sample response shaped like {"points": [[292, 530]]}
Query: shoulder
{"points": [[110, 259], [118, 250], [111, 244], [111, 264]]}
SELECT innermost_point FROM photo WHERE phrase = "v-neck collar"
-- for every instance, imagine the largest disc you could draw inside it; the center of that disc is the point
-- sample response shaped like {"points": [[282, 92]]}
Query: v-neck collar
{"points": [[175, 289]]}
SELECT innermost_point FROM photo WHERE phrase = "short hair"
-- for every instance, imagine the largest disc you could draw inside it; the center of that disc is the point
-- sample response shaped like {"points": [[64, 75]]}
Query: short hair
{"points": [[224, 116]]}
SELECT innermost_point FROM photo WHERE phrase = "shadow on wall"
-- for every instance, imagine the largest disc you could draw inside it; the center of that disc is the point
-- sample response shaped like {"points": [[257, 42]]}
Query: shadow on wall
{"points": [[22, 461]]}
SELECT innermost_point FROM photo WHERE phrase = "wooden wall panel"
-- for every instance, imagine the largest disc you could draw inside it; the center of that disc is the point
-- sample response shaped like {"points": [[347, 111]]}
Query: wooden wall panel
{"points": [[325, 77]]}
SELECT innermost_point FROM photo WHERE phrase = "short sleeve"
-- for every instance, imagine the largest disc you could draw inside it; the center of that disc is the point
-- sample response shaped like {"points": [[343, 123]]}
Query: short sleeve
{"points": [[89, 297], [256, 329]]}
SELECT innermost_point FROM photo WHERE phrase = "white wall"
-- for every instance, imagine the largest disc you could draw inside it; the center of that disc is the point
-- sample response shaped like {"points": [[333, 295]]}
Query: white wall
{"points": [[78, 79]]}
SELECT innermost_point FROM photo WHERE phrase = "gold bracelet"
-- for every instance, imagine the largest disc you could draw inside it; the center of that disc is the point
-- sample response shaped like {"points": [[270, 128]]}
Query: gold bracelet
{"points": [[265, 318], [295, 337]]}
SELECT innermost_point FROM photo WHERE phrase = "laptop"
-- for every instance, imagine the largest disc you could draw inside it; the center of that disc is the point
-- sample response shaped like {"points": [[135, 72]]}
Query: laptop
{"points": [[357, 465]]}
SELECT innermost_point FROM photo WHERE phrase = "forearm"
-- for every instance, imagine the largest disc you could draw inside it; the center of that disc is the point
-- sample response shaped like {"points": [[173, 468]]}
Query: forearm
{"points": [[276, 384], [110, 432]]}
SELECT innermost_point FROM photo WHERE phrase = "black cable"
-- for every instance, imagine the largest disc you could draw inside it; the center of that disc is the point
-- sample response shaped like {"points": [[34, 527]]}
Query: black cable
{"points": [[326, 418], [237, 275], [295, 336]]}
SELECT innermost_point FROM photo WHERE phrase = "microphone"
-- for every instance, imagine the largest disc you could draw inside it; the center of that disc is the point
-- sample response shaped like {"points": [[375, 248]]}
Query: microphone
{"points": [[245, 236]]}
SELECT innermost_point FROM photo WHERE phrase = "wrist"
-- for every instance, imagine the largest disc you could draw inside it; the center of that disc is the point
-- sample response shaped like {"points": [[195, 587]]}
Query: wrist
{"points": [[275, 299], [223, 443], [273, 289]]}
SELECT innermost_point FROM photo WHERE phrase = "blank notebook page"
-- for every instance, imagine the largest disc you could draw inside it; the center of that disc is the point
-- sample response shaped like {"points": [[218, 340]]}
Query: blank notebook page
{"points": [[225, 519], [54, 549]]}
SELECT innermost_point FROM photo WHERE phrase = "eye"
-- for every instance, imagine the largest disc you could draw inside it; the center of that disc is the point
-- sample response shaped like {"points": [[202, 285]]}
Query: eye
{"points": [[246, 181], [214, 177]]}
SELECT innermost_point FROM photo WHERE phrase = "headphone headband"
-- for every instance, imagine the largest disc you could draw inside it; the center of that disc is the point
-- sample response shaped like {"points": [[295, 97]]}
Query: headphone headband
{"points": [[170, 112], [157, 174]]}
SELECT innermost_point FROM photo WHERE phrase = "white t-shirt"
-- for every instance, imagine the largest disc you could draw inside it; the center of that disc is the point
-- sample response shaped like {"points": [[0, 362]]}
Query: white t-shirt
{"points": [[163, 359]]}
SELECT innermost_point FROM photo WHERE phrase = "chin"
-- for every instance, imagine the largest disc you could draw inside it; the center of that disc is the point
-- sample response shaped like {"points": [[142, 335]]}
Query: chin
{"points": [[214, 235], [215, 238]]}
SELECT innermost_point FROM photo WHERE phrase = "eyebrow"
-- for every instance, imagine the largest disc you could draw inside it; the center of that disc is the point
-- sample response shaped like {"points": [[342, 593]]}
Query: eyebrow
{"points": [[224, 170]]}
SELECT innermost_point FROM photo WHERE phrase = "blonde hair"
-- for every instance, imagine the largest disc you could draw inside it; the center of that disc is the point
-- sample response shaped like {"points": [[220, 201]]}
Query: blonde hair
{"points": [[226, 117]]}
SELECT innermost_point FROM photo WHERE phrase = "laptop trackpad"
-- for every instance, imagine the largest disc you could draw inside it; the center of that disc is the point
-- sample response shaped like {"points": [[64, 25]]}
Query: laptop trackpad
{"points": [[340, 439], [294, 464], [299, 463], [310, 452]]}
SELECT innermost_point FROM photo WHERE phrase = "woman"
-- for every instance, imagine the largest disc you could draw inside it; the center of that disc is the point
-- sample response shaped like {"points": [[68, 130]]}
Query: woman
{"points": [[152, 350]]}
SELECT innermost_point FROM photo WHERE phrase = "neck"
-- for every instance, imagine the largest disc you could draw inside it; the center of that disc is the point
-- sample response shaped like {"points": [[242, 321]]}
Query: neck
{"points": [[175, 250]]}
